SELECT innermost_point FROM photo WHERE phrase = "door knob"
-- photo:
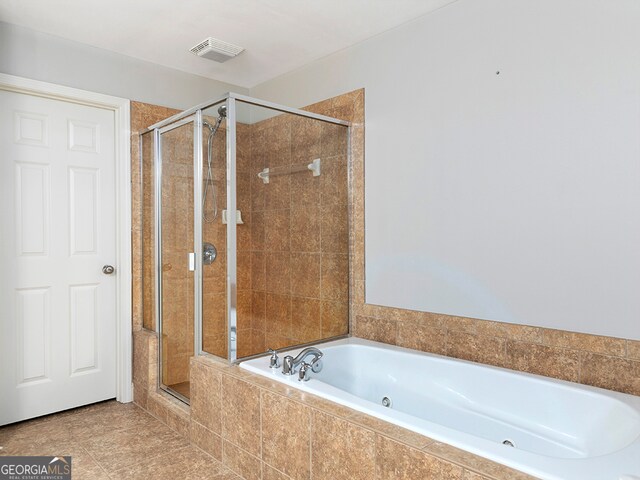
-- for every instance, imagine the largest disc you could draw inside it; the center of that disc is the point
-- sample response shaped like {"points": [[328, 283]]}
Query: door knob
{"points": [[108, 269]]}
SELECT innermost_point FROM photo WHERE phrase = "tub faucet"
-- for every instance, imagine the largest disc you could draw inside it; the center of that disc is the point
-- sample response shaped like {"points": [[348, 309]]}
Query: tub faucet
{"points": [[289, 363]]}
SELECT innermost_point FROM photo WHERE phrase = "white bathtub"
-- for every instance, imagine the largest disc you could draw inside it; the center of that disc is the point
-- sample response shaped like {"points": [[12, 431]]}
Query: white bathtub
{"points": [[560, 430]]}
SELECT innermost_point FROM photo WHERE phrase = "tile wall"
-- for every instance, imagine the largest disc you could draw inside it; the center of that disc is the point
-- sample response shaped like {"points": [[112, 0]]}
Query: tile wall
{"points": [[263, 430], [293, 247], [297, 255]]}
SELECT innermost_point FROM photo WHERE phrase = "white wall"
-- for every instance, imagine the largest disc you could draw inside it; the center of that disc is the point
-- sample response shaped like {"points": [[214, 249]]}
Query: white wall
{"points": [[39, 56], [513, 197]]}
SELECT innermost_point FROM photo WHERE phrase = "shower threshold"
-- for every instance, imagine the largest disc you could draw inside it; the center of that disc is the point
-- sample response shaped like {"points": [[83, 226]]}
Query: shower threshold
{"points": [[182, 388]]}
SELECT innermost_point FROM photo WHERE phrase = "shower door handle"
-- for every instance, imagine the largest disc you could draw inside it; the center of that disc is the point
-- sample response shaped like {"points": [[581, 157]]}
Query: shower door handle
{"points": [[192, 261]]}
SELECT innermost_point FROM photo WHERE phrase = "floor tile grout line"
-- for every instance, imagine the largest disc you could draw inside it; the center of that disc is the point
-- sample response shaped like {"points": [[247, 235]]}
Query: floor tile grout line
{"points": [[168, 453]]}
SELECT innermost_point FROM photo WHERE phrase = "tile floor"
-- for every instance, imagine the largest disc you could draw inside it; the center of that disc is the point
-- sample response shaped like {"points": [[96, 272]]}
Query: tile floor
{"points": [[111, 440]]}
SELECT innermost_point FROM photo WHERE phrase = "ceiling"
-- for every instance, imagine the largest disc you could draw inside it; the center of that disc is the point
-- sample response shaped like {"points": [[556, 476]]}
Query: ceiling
{"points": [[278, 35]]}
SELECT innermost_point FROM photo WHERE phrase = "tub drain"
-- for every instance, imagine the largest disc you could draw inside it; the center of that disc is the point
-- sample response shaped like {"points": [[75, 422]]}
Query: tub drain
{"points": [[508, 443], [386, 402]]}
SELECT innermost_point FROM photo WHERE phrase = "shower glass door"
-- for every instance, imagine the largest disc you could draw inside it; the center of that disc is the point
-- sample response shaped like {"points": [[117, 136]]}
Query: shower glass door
{"points": [[177, 271]]}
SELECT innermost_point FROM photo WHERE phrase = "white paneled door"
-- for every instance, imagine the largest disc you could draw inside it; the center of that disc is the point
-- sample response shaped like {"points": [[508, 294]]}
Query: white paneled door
{"points": [[57, 232]]}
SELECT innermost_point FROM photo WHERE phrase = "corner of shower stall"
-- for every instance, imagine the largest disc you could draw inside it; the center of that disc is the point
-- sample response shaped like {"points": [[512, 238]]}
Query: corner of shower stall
{"points": [[245, 232]]}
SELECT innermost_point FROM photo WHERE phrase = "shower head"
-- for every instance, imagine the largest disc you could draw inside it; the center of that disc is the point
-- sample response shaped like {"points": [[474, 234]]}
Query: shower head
{"points": [[222, 113]]}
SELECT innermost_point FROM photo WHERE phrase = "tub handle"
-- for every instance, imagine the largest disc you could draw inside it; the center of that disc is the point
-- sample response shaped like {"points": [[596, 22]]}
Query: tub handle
{"points": [[274, 361], [303, 376]]}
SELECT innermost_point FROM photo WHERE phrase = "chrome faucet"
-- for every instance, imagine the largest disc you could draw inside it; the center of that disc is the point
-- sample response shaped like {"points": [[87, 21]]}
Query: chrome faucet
{"points": [[289, 363]]}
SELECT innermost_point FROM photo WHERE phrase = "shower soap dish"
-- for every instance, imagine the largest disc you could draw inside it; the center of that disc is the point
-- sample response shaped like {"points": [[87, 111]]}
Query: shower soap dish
{"points": [[238, 217]]}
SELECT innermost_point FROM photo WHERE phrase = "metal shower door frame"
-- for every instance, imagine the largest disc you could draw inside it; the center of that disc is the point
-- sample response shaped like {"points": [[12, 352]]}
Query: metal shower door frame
{"points": [[158, 131], [195, 114]]}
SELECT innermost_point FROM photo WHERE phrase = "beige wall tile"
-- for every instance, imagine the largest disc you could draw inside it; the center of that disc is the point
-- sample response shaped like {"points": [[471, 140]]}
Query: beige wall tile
{"points": [[206, 440], [412, 334], [140, 395], [258, 341], [340, 450], [243, 270], [178, 419], [244, 344], [276, 230], [375, 329], [305, 191], [257, 231], [305, 319], [509, 330], [242, 462], [276, 341], [334, 318], [462, 324], [284, 447], [244, 232], [278, 317], [633, 349], [334, 140], [305, 228], [245, 307], [258, 188], [476, 348], [243, 185], [395, 461], [305, 274], [206, 396], [584, 342], [258, 310], [278, 193], [542, 360], [478, 464], [333, 181], [319, 403], [610, 372], [334, 227], [270, 473], [140, 358], [278, 273], [334, 277], [306, 136], [390, 430], [241, 414], [258, 271]]}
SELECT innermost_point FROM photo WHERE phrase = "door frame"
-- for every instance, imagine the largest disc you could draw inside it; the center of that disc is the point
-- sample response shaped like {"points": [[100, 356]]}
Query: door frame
{"points": [[121, 109]]}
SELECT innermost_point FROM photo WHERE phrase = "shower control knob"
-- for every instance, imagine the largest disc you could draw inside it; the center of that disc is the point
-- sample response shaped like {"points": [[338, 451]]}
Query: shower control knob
{"points": [[108, 269]]}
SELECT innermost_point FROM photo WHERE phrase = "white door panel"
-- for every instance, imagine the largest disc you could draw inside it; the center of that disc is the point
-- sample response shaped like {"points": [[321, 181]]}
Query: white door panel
{"points": [[58, 228]]}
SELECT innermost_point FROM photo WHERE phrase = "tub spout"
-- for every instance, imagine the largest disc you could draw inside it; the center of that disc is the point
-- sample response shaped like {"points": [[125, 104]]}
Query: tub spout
{"points": [[289, 364]]}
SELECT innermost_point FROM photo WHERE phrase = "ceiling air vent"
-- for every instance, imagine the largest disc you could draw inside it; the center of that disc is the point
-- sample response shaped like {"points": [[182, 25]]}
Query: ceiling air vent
{"points": [[216, 50]]}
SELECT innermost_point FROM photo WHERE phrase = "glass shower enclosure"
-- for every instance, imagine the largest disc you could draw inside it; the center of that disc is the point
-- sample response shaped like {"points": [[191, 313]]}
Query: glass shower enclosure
{"points": [[249, 244]]}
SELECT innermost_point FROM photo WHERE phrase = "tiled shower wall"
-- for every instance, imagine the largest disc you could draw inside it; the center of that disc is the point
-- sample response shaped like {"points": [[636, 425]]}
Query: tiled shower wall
{"points": [[293, 246], [214, 321], [298, 251]]}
